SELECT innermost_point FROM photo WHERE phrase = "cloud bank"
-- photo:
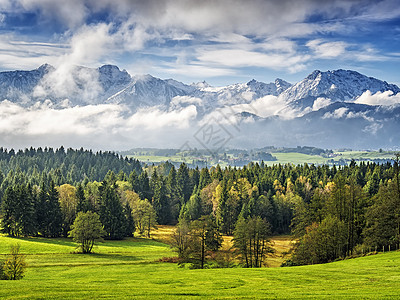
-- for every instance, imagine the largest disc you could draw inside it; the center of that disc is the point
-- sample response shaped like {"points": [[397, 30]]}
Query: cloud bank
{"points": [[103, 126], [379, 98]]}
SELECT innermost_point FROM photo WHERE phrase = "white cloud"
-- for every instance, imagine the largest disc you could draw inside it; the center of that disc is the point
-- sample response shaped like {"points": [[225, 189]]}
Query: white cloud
{"points": [[243, 58], [343, 112], [72, 13], [320, 103], [95, 126], [191, 70], [154, 118], [179, 100], [130, 25], [354, 115], [373, 128], [336, 114], [69, 81], [264, 107], [379, 98], [344, 51], [324, 49], [19, 54], [43, 119], [241, 16], [87, 46]]}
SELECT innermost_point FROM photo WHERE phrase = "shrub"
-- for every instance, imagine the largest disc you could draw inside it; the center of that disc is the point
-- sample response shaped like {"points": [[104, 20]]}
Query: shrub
{"points": [[14, 265]]}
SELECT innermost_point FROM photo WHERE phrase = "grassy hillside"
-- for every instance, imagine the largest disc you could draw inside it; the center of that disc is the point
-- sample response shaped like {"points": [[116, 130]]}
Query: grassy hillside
{"points": [[282, 158], [128, 269]]}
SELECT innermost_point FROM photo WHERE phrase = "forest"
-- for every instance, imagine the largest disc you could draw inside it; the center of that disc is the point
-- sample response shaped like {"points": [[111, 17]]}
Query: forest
{"points": [[331, 212]]}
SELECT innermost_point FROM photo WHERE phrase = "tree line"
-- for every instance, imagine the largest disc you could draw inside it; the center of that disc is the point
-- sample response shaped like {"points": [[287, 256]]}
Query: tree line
{"points": [[332, 211], [63, 165]]}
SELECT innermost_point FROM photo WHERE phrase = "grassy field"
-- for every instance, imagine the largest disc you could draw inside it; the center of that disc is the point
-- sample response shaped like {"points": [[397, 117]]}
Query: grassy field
{"points": [[296, 159], [129, 270], [366, 155], [283, 158]]}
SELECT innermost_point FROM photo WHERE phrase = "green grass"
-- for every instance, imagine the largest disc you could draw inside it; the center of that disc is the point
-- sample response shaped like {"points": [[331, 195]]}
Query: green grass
{"points": [[283, 158], [296, 159], [299, 158], [365, 155], [128, 270]]}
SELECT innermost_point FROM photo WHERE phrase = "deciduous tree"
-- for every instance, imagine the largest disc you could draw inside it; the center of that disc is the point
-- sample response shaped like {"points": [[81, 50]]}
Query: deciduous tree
{"points": [[251, 239], [86, 230]]}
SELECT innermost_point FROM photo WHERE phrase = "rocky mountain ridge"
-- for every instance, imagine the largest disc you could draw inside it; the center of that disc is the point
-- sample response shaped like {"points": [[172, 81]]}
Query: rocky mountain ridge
{"points": [[109, 84]]}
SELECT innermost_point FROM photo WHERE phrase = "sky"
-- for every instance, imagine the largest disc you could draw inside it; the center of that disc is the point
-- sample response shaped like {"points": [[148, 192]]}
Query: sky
{"points": [[221, 42]]}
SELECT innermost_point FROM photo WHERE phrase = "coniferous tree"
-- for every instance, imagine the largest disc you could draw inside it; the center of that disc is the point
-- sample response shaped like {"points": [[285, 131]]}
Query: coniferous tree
{"points": [[41, 210], [224, 214], [111, 211], [18, 211], [129, 221], [383, 218], [174, 194], [9, 221], [134, 181], [83, 204], [183, 182], [28, 213], [53, 215], [160, 202], [144, 186]]}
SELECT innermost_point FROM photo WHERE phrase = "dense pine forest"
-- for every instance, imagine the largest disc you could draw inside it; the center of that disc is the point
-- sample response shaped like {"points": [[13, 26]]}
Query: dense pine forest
{"points": [[332, 212]]}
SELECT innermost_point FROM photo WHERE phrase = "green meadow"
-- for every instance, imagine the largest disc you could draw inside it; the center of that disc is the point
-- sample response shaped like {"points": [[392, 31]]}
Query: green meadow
{"points": [[130, 269], [282, 158]]}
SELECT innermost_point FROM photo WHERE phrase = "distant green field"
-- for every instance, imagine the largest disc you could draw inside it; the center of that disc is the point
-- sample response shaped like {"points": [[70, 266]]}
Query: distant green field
{"points": [[155, 158], [365, 155], [296, 158], [282, 158], [128, 270]]}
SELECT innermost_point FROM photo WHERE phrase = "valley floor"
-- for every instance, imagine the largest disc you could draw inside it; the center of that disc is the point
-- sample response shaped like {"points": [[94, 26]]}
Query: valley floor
{"points": [[129, 270]]}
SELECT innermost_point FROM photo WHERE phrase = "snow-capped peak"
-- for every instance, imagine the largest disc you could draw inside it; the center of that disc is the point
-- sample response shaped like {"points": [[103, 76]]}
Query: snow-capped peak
{"points": [[338, 85], [201, 85]]}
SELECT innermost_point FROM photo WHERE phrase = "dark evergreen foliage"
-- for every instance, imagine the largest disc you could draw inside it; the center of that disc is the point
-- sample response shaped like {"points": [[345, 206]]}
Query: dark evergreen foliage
{"points": [[111, 211], [70, 166]]}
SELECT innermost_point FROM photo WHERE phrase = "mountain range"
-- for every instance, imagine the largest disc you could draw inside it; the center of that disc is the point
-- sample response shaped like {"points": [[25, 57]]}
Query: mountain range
{"points": [[340, 108]]}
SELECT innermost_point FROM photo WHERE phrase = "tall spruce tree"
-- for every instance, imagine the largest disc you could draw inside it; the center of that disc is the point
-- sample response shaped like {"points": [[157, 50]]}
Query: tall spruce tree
{"points": [[83, 203], [54, 217], [129, 222], [161, 202], [111, 211]]}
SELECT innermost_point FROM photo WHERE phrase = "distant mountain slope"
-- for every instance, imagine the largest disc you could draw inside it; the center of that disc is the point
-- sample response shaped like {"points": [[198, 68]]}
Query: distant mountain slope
{"points": [[111, 85], [18, 86], [339, 85], [108, 84], [319, 110]]}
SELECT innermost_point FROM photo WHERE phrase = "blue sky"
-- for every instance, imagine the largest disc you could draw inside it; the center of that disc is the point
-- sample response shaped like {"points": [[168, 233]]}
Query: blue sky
{"points": [[222, 42]]}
